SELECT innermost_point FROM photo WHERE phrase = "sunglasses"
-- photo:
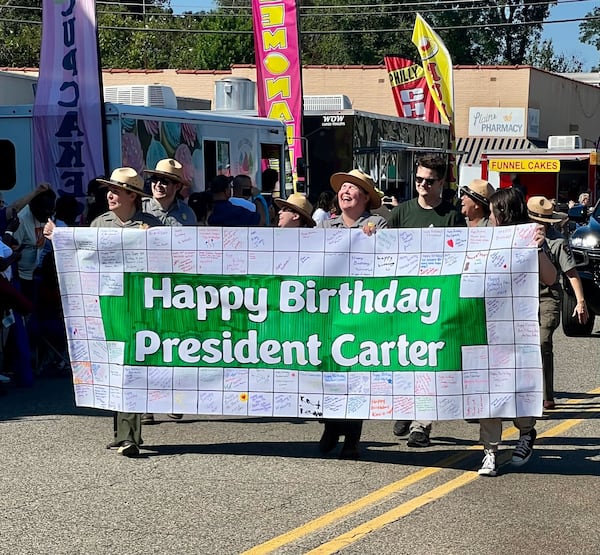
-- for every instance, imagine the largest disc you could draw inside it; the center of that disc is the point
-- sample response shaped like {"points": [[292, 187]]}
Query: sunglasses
{"points": [[165, 181], [428, 180]]}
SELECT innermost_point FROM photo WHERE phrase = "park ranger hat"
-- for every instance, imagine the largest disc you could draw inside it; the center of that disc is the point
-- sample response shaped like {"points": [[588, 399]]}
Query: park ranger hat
{"points": [[170, 169], [360, 179], [299, 204], [478, 190], [540, 209], [126, 178]]}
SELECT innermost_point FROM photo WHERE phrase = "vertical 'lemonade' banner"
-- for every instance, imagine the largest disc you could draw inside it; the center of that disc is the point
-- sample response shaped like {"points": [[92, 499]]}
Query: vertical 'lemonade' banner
{"points": [[435, 323], [278, 72], [67, 112], [411, 92], [437, 65]]}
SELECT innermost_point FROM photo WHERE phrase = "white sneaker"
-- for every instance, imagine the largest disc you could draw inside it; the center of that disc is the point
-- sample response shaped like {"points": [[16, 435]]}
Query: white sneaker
{"points": [[4, 379], [488, 465]]}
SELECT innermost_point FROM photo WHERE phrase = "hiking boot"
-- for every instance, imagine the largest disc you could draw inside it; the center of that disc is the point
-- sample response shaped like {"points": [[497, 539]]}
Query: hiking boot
{"points": [[488, 465], [524, 448], [128, 449], [401, 427], [147, 418], [175, 416], [418, 438]]}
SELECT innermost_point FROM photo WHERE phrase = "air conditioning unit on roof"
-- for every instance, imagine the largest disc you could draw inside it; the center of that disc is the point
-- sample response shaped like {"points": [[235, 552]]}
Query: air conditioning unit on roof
{"points": [[159, 96], [564, 141], [318, 103]]}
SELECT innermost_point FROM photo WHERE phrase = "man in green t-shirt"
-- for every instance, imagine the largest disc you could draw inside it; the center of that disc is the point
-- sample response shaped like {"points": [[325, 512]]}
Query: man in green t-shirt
{"points": [[428, 209]]}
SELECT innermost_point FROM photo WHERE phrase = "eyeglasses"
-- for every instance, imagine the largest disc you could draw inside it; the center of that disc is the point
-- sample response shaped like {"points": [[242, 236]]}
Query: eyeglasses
{"points": [[428, 180]]}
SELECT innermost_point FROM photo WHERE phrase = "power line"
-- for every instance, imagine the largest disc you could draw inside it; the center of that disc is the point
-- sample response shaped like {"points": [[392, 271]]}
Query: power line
{"points": [[337, 32], [219, 14]]}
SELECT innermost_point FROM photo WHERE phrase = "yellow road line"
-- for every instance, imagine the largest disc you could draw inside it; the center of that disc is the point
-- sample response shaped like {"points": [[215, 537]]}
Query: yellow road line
{"points": [[361, 531], [355, 506], [380, 494], [395, 514]]}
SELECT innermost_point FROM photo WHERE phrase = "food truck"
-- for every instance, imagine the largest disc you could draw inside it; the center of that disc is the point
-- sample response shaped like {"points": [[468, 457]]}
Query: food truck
{"points": [[558, 172]]}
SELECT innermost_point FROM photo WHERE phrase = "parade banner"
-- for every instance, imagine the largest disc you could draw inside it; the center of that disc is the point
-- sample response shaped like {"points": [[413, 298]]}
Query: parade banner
{"points": [[278, 71], [432, 324], [67, 111], [411, 92]]}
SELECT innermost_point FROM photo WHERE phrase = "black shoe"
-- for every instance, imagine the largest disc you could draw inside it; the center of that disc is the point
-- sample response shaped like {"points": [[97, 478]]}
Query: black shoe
{"points": [[350, 450], [401, 427], [175, 416], [128, 449], [147, 419], [329, 439], [417, 438], [114, 444]]}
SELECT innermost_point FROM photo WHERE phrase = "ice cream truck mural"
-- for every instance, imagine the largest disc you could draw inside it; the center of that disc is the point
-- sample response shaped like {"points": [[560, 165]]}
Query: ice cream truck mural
{"points": [[206, 143]]}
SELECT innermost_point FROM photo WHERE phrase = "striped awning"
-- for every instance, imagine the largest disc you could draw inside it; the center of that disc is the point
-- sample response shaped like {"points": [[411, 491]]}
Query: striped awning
{"points": [[474, 146]]}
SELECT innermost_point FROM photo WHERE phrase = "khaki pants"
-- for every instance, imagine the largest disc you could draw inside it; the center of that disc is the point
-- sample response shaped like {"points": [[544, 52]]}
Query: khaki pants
{"points": [[549, 321], [490, 430]]}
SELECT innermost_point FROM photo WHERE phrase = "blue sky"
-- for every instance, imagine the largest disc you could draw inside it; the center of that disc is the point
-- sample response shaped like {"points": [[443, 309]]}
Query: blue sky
{"points": [[565, 36]]}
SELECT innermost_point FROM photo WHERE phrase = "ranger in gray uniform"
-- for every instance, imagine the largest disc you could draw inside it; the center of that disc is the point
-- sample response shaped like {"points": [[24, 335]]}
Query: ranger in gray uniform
{"points": [[124, 196], [356, 197], [540, 209], [168, 180]]}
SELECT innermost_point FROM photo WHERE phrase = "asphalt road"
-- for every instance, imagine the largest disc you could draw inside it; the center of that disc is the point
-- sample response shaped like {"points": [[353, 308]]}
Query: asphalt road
{"points": [[230, 486]]}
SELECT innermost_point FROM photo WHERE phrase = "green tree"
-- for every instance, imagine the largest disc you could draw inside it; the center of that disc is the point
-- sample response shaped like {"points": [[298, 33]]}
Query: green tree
{"points": [[21, 33], [544, 57], [589, 32]]}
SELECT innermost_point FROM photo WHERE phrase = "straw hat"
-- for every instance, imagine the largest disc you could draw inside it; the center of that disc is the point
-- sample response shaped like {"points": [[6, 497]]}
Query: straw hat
{"points": [[360, 179], [540, 209], [125, 178], [478, 190], [299, 204], [170, 169]]}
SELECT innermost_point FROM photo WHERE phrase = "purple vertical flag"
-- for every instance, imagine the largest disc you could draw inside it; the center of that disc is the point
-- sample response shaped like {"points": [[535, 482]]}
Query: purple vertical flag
{"points": [[67, 112]]}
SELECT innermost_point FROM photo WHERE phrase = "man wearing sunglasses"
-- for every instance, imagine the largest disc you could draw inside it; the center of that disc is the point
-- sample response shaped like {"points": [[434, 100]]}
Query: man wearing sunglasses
{"points": [[428, 209], [167, 180]]}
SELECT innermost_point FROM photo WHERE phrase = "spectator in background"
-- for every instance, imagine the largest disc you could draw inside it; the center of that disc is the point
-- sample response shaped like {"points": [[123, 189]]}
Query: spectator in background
{"points": [[68, 208], [30, 236], [264, 199], [323, 207], [96, 201], [241, 193], [449, 196], [167, 180], [225, 213], [201, 204]]}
